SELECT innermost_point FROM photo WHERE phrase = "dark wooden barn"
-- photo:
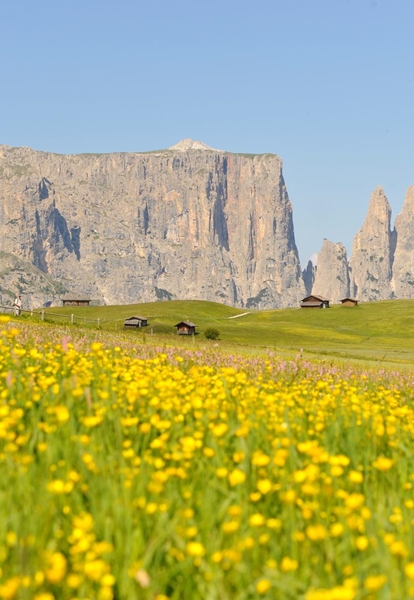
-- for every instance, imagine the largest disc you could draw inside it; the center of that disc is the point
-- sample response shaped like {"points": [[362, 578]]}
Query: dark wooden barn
{"points": [[135, 322], [75, 301], [185, 328], [314, 301], [349, 302]]}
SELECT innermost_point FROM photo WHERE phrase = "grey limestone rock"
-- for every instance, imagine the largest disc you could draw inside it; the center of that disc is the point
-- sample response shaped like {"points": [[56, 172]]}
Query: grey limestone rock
{"points": [[20, 277], [332, 272], [403, 264], [186, 222], [371, 262]]}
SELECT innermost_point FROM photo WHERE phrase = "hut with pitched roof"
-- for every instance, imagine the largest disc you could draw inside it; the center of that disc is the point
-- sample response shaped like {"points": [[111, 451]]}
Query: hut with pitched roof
{"points": [[186, 328], [315, 301], [135, 322]]}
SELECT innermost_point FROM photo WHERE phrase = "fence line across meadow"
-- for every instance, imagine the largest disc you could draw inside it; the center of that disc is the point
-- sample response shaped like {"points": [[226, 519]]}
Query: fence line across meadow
{"points": [[72, 318]]}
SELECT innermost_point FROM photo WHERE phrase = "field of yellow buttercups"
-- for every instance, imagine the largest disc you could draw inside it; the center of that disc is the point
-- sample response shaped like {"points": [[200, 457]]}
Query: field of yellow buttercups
{"points": [[143, 473]]}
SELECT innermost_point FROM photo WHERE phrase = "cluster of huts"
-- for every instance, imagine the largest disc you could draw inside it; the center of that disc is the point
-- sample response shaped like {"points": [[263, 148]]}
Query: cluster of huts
{"points": [[315, 301], [189, 328], [183, 327]]}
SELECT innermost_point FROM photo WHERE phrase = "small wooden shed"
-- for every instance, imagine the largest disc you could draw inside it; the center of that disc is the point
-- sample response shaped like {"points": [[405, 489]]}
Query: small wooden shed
{"points": [[75, 301], [136, 322], [349, 302], [186, 328], [315, 301]]}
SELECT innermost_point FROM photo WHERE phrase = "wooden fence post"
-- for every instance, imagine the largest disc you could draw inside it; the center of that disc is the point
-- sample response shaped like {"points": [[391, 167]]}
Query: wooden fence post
{"points": [[71, 319]]}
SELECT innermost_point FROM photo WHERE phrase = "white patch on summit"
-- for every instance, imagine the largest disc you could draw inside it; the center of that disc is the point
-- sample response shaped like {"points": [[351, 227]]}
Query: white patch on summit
{"points": [[188, 144]]}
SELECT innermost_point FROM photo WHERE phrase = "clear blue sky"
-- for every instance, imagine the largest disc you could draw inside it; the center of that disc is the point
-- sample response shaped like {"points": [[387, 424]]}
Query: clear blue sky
{"points": [[328, 85]]}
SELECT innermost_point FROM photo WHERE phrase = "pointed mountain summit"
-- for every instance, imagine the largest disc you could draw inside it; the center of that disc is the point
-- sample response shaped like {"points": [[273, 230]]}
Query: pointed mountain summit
{"points": [[379, 206], [371, 261], [332, 272], [189, 144], [403, 267]]}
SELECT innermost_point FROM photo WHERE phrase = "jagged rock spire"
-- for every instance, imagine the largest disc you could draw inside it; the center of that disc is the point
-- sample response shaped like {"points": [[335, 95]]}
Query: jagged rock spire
{"points": [[371, 261], [403, 265]]}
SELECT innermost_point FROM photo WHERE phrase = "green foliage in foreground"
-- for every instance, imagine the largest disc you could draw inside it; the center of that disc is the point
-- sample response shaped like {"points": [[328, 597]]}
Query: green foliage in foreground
{"points": [[211, 333]]}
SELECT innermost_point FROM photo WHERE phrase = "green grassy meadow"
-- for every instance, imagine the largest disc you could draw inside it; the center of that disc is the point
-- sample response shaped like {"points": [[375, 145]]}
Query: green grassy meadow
{"points": [[275, 463], [377, 331]]}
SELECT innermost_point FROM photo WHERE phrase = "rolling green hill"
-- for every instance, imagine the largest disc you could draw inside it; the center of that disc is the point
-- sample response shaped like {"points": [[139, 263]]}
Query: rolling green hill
{"points": [[380, 331]]}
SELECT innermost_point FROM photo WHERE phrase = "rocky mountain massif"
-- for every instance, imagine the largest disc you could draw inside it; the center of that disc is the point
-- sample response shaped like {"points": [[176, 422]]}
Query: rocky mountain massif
{"points": [[187, 222], [382, 262]]}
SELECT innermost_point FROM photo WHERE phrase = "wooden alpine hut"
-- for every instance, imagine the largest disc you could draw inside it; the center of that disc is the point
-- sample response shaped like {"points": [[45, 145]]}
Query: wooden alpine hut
{"points": [[135, 322], [186, 328], [75, 301], [349, 302], [315, 301]]}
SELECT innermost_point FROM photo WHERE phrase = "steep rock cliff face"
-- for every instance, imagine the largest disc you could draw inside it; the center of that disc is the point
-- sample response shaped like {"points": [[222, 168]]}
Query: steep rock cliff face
{"points": [[372, 253], [188, 222], [332, 272], [403, 265]]}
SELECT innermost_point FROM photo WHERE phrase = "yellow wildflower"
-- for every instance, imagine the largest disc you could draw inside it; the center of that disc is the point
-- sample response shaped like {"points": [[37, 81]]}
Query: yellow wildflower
{"points": [[256, 520], [288, 564], [316, 532], [264, 486], [383, 463], [9, 589], [56, 567], [362, 543], [409, 570], [263, 586], [220, 429], [195, 549], [237, 477], [355, 477], [374, 582]]}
